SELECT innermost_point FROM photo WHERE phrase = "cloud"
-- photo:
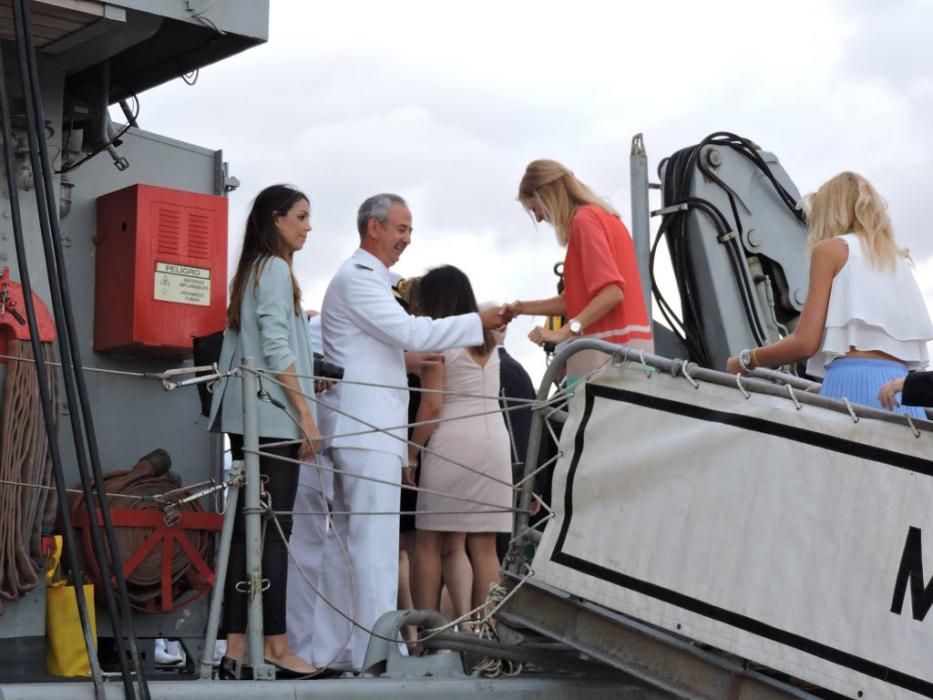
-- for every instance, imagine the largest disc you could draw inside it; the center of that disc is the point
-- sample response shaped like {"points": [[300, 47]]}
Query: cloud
{"points": [[445, 104]]}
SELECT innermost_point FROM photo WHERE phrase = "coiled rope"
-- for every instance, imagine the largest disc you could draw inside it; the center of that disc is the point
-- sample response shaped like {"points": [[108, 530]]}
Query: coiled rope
{"points": [[24, 459]]}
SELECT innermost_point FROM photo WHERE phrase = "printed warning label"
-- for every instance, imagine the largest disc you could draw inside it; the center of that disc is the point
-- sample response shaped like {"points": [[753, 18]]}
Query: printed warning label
{"points": [[182, 284]]}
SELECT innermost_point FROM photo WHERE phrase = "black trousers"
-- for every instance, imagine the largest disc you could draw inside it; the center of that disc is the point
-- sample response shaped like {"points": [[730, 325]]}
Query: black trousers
{"points": [[280, 479]]}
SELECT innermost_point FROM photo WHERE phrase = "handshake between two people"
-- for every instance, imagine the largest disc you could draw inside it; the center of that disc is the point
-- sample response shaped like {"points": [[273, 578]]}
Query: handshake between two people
{"points": [[496, 318]]}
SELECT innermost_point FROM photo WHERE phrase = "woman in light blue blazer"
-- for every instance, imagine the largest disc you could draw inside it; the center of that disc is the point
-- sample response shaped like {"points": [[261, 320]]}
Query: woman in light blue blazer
{"points": [[265, 322]]}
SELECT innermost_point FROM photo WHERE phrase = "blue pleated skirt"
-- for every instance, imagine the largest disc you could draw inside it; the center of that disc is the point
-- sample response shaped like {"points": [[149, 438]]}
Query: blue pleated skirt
{"points": [[860, 378]]}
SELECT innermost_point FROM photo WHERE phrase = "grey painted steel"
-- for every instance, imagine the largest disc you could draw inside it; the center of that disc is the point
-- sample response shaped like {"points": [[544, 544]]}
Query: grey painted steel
{"points": [[539, 687], [554, 656], [220, 575], [103, 39], [670, 663], [249, 19], [20, 618], [135, 415], [649, 654], [774, 243], [384, 658], [641, 216], [252, 511]]}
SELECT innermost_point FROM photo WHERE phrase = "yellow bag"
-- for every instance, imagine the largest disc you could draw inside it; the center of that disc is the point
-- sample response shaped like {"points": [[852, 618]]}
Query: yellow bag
{"points": [[66, 654]]}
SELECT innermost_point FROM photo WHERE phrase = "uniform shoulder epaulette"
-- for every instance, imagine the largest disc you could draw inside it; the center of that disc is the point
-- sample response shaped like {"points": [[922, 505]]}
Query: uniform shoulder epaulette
{"points": [[361, 266]]}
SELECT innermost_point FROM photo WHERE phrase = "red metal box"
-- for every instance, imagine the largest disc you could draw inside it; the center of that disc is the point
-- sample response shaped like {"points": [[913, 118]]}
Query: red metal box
{"points": [[161, 270]]}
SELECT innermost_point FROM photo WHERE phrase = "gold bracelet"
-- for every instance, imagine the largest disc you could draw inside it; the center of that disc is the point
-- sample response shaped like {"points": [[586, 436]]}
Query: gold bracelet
{"points": [[754, 362], [519, 306]]}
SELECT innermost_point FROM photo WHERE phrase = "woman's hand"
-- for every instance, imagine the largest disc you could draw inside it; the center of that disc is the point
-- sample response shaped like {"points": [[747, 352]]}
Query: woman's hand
{"points": [[514, 309], [540, 335], [408, 475], [887, 393], [733, 366], [311, 444]]}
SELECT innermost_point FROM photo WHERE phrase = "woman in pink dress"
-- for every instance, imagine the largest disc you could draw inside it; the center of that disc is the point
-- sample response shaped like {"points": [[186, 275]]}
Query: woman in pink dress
{"points": [[468, 429]]}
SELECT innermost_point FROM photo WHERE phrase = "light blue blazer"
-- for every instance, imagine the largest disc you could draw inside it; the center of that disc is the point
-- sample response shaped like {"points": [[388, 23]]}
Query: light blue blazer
{"points": [[275, 337]]}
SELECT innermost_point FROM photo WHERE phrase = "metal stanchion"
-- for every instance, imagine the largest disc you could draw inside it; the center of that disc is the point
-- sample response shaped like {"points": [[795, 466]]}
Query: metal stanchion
{"points": [[220, 579], [252, 512]]}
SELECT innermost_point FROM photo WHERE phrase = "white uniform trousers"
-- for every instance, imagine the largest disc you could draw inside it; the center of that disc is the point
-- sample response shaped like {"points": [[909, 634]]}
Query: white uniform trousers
{"points": [[309, 529], [372, 544]]}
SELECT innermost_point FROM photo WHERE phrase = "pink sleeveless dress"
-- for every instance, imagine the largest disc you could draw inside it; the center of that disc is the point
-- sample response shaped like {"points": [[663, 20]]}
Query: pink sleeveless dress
{"points": [[477, 441]]}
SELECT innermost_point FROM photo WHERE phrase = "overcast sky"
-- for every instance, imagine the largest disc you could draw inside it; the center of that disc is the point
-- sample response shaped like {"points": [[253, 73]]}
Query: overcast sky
{"points": [[445, 103]]}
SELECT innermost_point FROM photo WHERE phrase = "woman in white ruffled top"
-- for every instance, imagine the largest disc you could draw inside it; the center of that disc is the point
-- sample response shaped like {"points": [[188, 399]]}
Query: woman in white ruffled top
{"points": [[864, 321]]}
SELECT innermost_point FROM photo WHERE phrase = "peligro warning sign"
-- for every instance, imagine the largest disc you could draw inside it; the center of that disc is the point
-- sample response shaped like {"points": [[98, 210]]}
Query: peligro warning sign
{"points": [[182, 284]]}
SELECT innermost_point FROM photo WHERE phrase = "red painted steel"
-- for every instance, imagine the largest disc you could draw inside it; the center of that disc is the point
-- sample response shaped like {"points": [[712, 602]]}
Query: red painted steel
{"points": [[161, 270]]}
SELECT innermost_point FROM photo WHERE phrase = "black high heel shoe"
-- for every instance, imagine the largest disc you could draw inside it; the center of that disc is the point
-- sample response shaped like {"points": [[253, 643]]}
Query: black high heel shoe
{"points": [[232, 670], [288, 674]]}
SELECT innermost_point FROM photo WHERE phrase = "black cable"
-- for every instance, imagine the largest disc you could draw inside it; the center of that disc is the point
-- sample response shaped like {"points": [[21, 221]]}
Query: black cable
{"points": [[677, 178], [131, 121], [730, 239], [85, 440], [45, 399]]}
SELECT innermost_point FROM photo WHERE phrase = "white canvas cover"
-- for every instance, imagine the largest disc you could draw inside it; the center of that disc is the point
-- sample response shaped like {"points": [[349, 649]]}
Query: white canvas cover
{"points": [[783, 536]]}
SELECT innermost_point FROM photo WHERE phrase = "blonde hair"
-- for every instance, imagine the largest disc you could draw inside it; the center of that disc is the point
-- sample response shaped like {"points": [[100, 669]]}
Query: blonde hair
{"points": [[558, 194], [847, 203]]}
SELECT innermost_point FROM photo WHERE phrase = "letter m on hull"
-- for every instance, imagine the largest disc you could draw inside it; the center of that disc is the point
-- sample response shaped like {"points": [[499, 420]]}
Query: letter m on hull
{"points": [[911, 570]]}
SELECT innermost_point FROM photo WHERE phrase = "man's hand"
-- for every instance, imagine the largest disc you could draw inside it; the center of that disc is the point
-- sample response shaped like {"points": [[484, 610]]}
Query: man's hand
{"points": [[887, 393], [494, 318], [512, 310], [416, 361], [535, 506], [322, 385]]}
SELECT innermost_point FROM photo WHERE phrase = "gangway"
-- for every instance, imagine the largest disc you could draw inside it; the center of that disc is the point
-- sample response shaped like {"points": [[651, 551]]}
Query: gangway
{"points": [[724, 537]]}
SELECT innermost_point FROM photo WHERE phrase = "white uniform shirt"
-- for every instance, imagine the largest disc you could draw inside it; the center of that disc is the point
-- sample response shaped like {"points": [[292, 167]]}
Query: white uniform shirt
{"points": [[365, 331]]}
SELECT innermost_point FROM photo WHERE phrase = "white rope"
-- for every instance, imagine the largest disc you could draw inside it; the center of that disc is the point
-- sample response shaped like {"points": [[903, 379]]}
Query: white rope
{"points": [[399, 512], [335, 470], [910, 422], [405, 440], [156, 498], [855, 418], [376, 385], [530, 528], [793, 397], [542, 467], [100, 370], [432, 632], [405, 426], [686, 374]]}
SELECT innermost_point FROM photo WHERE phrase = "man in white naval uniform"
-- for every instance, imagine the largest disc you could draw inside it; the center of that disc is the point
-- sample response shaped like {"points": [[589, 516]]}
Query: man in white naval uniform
{"points": [[315, 489], [366, 331]]}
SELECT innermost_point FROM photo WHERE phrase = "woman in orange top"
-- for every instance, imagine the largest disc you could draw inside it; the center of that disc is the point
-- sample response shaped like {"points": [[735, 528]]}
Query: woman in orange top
{"points": [[602, 295]]}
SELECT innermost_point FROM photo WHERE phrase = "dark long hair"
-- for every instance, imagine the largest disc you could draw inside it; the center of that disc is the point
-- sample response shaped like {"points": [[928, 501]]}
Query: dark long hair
{"points": [[446, 291], [261, 242]]}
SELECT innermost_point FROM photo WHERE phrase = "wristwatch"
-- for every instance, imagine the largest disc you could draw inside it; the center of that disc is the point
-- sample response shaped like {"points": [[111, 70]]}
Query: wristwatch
{"points": [[576, 328]]}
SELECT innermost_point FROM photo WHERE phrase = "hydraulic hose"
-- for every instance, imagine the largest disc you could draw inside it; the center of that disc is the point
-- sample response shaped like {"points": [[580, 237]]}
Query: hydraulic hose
{"points": [[677, 177], [42, 375], [85, 440]]}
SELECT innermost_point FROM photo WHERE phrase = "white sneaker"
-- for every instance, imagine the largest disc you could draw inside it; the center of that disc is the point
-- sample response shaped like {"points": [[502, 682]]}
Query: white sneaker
{"points": [[167, 653]]}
